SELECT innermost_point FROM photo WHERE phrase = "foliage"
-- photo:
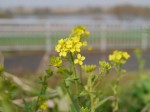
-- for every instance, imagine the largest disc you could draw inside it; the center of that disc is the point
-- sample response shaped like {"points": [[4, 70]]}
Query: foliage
{"points": [[138, 99]]}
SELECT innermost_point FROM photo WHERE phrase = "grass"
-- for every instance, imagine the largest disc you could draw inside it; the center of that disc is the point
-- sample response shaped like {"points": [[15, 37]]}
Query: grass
{"points": [[117, 36]]}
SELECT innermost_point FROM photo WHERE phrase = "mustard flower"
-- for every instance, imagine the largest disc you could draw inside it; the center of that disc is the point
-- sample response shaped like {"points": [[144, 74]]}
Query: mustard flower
{"points": [[84, 43], [104, 67], [119, 57], [80, 30], [126, 55], [73, 43], [78, 46], [63, 53], [56, 61], [43, 106], [75, 39], [60, 44], [89, 68], [79, 59]]}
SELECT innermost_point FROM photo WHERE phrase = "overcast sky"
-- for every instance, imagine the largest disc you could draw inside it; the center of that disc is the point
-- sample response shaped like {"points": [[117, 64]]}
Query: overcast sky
{"points": [[74, 3]]}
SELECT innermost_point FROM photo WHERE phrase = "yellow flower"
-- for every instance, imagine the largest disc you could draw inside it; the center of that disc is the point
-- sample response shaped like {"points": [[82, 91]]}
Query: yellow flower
{"points": [[104, 66], [89, 68], [73, 43], [79, 30], [55, 61], [76, 39], [57, 48], [78, 46], [119, 57], [111, 57], [79, 59], [68, 44], [126, 55], [60, 45], [84, 43], [63, 53], [44, 106], [61, 41], [72, 49], [87, 33]]}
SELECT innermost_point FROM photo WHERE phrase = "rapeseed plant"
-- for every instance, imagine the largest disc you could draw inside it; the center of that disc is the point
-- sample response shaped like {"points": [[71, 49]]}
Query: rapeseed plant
{"points": [[69, 50], [117, 58], [83, 95]]}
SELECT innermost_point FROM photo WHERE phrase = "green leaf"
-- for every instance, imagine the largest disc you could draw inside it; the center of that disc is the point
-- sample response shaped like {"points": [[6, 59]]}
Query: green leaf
{"points": [[27, 106], [64, 71], [1, 68], [103, 101], [85, 109], [71, 78], [49, 72], [83, 93]]}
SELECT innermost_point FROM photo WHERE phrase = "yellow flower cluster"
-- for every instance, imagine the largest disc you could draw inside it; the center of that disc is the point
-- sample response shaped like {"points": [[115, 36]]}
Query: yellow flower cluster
{"points": [[119, 57], [44, 106], [73, 43], [56, 61], [80, 31], [104, 67], [89, 68]]}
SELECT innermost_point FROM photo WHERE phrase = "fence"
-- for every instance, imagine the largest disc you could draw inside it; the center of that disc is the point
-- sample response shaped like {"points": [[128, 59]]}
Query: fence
{"points": [[43, 35]]}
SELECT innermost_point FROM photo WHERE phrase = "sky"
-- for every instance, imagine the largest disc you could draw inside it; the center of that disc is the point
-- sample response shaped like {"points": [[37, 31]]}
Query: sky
{"points": [[70, 3]]}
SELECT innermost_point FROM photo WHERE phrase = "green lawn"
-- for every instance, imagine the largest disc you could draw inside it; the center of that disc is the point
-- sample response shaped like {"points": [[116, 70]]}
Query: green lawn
{"points": [[40, 39]]}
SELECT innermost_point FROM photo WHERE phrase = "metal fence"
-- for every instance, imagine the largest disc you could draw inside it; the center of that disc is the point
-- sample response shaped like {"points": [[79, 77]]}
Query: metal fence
{"points": [[43, 35]]}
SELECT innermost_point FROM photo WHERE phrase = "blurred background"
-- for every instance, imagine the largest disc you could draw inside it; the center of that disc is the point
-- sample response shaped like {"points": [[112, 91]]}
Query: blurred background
{"points": [[29, 30]]}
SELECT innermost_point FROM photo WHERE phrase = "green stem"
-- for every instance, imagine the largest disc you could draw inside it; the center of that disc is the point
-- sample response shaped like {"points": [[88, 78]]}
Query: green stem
{"points": [[91, 91], [97, 81], [75, 74], [72, 100], [115, 102], [81, 79], [115, 106], [92, 102], [43, 90]]}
